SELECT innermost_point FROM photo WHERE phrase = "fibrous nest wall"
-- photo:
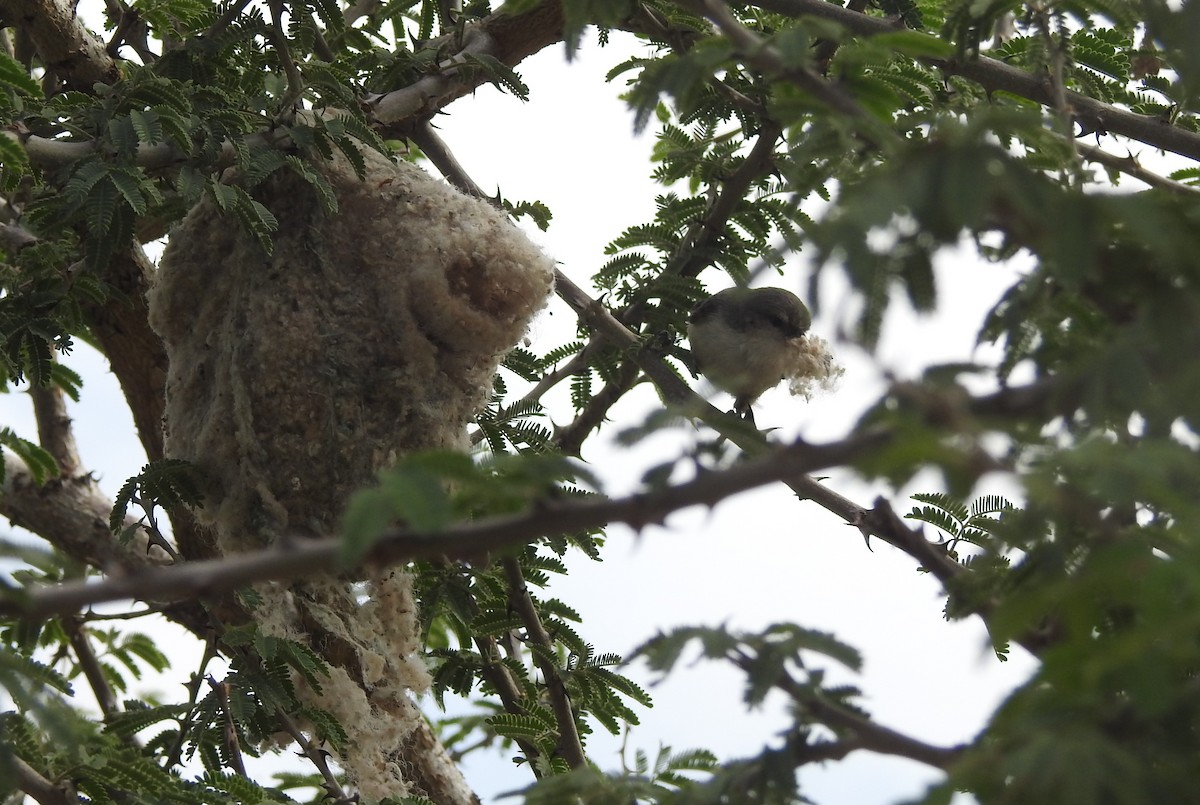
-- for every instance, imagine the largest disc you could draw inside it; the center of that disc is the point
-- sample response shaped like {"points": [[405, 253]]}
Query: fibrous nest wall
{"points": [[370, 331], [295, 376]]}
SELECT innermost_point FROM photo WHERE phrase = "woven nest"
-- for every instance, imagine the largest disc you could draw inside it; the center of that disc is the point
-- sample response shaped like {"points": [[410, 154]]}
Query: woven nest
{"points": [[367, 333], [296, 376]]}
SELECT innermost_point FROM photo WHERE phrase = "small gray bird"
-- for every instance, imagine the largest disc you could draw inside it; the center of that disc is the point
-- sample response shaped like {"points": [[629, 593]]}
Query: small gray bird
{"points": [[743, 340]]}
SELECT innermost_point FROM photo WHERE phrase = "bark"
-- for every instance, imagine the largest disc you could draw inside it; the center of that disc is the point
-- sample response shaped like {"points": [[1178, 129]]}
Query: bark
{"points": [[64, 45]]}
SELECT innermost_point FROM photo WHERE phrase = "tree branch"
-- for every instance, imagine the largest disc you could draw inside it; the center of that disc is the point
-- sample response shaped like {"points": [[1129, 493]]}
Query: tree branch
{"points": [[54, 428], [697, 246], [14, 238], [500, 678], [71, 513], [90, 665], [37, 786], [569, 745], [766, 58], [65, 46], [1131, 167], [507, 38], [291, 559], [444, 160], [315, 755], [295, 81], [995, 75], [869, 735], [571, 437]]}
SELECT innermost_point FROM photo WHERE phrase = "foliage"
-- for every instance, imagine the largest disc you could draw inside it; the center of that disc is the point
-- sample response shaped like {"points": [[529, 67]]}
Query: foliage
{"points": [[872, 138]]}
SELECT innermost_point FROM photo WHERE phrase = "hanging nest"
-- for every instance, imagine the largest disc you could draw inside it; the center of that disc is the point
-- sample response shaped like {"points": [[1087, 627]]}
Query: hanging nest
{"points": [[367, 333], [296, 376]]}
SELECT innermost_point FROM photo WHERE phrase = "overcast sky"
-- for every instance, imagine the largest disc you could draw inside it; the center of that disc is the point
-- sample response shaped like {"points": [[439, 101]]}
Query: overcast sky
{"points": [[759, 558]]}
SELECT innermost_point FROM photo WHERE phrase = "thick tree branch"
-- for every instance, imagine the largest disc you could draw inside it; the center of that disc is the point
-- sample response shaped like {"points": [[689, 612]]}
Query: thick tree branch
{"points": [[14, 238], [308, 557], [71, 513], [54, 428], [46, 152], [37, 786], [65, 46], [995, 75], [509, 39]]}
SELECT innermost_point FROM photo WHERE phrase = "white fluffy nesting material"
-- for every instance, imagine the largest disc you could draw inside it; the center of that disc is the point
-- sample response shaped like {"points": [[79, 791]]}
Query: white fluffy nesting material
{"points": [[811, 367]]}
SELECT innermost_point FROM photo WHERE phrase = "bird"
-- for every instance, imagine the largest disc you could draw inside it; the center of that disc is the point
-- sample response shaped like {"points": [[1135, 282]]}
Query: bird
{"points": [[744, 340]]}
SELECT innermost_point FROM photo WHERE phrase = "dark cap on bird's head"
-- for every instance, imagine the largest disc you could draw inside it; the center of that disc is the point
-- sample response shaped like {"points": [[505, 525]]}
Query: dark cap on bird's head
{"points": [[744, 308]]}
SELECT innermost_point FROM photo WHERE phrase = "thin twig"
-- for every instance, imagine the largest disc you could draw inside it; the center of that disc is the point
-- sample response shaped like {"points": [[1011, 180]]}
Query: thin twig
{"points": [[90, 665], [765, 57], [569, 745], [227, 18], [500, 678], [570, 437], [229, 733], [295, 81], [1056, 49], [320, 46], [127, 20], [1131, 167], [696, 247], [95, 617], [825, 49], [360, 9], [578, 363], [444, 160], [315, 755], [869, 734], [193, 689]]}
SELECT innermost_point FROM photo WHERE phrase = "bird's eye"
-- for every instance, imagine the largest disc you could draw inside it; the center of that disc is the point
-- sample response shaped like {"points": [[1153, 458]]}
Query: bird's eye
{"points": [[783, 323]]}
